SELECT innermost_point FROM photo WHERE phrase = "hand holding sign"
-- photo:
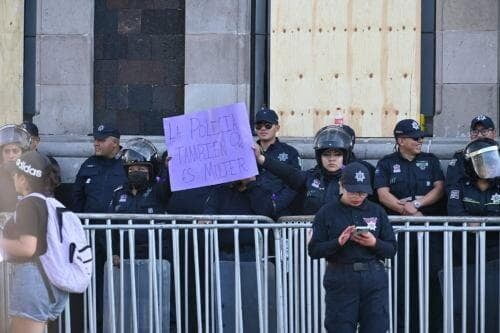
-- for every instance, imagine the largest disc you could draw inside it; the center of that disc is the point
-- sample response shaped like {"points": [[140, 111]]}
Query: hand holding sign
{"points": [[209, 147]]}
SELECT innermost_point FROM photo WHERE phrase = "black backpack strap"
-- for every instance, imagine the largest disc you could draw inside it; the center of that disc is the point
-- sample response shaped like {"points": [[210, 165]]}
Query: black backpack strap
{"points": [[59, 213], [46, 281]]}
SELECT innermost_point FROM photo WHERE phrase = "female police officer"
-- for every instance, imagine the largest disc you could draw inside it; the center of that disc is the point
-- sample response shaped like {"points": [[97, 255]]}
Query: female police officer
{"points": [[478, 194], [355, 278], [14, 140], [140, 194], [319, 185]]}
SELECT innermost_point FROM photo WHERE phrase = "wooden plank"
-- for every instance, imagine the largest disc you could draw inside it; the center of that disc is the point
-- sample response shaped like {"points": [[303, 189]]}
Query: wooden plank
{"points": [[11, 60], [352, 58]]}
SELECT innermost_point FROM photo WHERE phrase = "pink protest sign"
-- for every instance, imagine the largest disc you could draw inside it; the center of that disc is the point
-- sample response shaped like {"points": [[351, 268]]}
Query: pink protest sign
{"points": [[209, 147]]}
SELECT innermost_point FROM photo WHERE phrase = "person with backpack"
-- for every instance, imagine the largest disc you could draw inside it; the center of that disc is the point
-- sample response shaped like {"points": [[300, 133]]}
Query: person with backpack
{"points": [[34, 299]]}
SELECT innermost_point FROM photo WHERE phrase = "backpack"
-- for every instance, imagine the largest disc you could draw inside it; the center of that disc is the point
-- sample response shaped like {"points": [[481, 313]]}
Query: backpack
{"points": [[68, 261]]}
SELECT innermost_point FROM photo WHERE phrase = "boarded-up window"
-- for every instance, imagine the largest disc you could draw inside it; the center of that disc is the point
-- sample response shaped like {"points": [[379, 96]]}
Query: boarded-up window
{"points": [[355, 59]]}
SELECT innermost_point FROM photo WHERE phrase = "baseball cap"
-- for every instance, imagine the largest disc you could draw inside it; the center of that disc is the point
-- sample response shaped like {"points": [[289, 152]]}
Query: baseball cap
{"points": [[266, 115], [32, 164], [408, 128], [106, 130], [482, 119], [30, 127], [356, 178]]}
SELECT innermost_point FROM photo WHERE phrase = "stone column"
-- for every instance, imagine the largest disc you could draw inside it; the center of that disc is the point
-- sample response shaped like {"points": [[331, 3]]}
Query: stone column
{"points": [[64, 78], [467, 80], [217, 53]]}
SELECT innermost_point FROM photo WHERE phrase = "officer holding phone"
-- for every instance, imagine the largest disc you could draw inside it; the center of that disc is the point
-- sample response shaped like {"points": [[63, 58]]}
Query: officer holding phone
{"points": [[354, 235]]}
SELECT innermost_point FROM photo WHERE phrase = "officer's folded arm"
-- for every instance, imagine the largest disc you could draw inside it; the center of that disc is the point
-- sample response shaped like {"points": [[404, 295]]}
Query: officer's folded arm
{"points": [[389, 200], [433, 195]]}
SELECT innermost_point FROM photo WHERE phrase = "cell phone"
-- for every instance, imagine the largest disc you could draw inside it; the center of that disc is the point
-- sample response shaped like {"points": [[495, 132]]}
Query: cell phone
{"points": [[361, 229]]}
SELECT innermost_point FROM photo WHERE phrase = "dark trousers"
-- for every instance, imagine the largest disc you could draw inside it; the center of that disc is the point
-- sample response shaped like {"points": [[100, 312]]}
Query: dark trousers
{"points": [[356, 296], [435, 295]]}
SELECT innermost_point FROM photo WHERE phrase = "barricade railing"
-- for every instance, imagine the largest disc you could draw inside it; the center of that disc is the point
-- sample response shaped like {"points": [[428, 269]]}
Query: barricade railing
{"points": [[302, 314], [190, 278]]}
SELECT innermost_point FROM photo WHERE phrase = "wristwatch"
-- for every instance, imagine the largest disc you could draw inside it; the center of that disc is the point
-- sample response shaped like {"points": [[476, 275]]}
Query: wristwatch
{"points": [[417, 204]]}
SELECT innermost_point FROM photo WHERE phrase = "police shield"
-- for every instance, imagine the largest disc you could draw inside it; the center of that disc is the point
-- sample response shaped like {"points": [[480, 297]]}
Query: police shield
{"points": [[486, 162]]}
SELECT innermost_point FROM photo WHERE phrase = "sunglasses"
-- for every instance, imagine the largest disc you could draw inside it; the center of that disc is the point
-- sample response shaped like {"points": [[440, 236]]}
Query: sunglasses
{"points": [[414, 139], [483, 132], [260, 125]]}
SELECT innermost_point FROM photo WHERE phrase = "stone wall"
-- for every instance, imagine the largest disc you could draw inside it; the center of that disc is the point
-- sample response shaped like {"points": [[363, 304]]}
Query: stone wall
{"points": [[64, 66], [217, 53], [139, 63], [467, 56]]}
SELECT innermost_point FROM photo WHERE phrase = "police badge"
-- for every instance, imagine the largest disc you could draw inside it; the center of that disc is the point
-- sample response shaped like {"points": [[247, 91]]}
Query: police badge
{"points": [[283, 157], [371, 222]]}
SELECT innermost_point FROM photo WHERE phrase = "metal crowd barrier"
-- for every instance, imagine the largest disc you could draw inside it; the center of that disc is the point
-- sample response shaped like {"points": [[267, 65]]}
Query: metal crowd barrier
{"points": [[189, 280]]}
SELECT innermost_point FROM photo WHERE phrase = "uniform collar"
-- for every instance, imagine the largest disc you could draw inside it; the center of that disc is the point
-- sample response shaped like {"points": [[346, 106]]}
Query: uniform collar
{"points": [[401, 157], [276, 142]]}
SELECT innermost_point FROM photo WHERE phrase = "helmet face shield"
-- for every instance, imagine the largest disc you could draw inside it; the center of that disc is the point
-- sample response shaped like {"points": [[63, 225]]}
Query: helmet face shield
{"points": [[486, 162], [144, 148], [14, 134], [332, 137], [139, 151]]}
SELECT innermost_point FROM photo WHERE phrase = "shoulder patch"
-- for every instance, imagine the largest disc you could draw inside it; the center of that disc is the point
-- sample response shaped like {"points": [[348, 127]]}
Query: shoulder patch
{"points": [[454, 194]]}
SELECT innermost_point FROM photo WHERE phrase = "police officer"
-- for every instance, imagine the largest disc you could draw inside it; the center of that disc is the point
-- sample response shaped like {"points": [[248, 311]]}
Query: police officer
{"points": [[93, 189], [141, 194], [355, 279], [14, 141], [100, 174], [410, 182], [266, 127], [478, 194], [32, 129], [480, 127], [319, 185]]}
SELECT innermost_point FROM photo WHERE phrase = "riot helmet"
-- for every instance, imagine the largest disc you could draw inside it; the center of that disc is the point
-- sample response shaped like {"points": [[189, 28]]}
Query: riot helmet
{"points": [[139, 151], [482, 159], [14, 134], [332, 137]]}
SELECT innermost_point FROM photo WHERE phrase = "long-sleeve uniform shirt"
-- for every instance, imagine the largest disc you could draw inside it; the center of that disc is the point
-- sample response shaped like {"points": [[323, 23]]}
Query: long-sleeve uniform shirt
{"points": [[334, 217], [314, 187], [95, 183], [410, 179], [455, 170], [227, 200], [283, 195], [152, 200], [466, 199]]}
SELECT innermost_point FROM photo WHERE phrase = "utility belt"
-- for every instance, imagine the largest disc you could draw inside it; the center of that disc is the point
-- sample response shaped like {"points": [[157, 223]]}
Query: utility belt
{"points": [[373, 265], [409, 199]]}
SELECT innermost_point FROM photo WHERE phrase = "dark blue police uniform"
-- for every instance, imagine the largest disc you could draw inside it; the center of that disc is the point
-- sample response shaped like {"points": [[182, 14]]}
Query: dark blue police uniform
{"points": [[466, 199], [355, 279], [455, 170], [151, 200], [226, 199], [97, 178], [283, 195], [315, 187], [411, 180]]}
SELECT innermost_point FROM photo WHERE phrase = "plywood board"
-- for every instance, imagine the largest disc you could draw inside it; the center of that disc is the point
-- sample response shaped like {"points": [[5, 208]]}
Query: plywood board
{"points": [[11, 60], [356, 59]]}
